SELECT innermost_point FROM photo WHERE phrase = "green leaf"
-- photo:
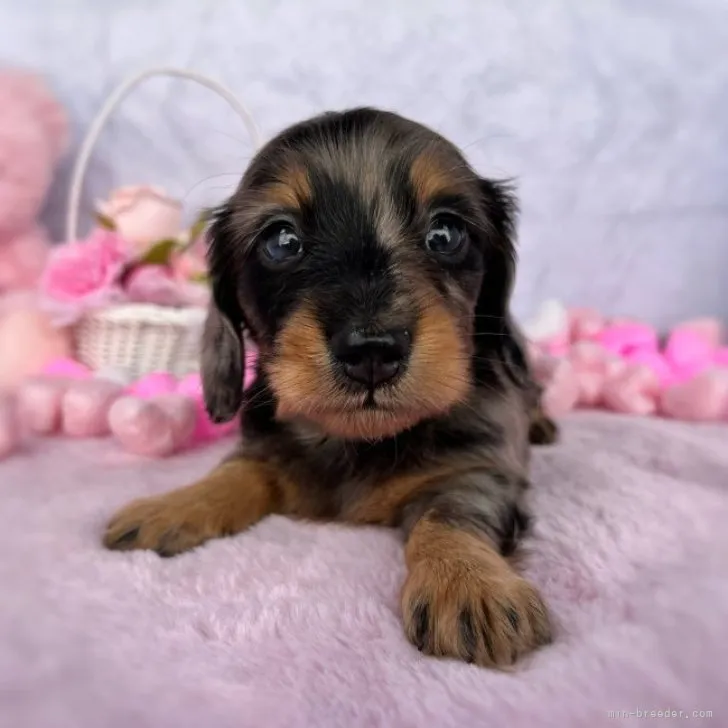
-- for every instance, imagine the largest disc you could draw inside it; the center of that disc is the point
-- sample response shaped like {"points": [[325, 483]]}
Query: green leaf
{"points": [[198, 227], [105, 222], [159, 253]]}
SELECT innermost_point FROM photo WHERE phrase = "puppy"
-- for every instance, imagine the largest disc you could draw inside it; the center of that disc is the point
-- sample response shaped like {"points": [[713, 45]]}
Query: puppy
{"points": [[373, 269]]}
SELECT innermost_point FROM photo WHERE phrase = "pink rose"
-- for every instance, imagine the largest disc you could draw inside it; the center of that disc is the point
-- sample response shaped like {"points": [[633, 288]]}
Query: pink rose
{"points": [[158, 285], [153, 284], [83, 275], [143, 215], [190, 265]]}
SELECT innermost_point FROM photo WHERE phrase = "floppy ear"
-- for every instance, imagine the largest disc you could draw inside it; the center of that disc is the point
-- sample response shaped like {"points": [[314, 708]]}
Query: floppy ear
{"points": [[500, 209], [223, 352], [494, 324]]}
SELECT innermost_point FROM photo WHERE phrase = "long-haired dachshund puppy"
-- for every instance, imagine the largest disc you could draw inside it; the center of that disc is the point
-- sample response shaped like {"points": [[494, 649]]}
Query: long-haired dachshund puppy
{"points": [[373, 270]]}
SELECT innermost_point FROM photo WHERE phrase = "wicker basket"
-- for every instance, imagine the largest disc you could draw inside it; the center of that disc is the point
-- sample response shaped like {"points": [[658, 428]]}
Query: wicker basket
{"points": [[137, 339]]}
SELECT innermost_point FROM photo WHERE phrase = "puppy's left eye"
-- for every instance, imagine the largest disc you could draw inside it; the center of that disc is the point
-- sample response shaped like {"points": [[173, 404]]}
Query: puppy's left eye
{"points": [[446, 237], [281, 245]]}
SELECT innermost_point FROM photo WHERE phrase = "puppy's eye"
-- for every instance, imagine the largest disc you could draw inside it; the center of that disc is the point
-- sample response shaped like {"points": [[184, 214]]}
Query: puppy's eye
{"points": [[446, 236], [281, 245]]}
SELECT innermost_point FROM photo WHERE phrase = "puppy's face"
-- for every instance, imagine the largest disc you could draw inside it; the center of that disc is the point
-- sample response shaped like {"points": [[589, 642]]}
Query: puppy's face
{"points": [[365, 257]]}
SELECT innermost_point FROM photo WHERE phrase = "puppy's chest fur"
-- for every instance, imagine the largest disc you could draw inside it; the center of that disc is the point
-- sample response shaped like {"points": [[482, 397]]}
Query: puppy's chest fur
{"points": [[370, 482]]}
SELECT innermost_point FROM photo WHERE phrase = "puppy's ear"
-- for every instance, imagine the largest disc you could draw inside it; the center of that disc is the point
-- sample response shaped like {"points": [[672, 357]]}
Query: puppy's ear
{"points": [[494, 325], [223, 361], [500, 209], [223, 351]]}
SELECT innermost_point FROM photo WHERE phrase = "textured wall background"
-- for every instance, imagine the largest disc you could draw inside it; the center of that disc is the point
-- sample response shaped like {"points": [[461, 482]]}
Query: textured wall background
{"points": [[613, 114]]}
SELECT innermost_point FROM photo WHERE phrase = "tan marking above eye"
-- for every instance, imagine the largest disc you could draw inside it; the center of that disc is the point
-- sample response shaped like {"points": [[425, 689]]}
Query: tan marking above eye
{"points": [[430, 177], [292, 188]]}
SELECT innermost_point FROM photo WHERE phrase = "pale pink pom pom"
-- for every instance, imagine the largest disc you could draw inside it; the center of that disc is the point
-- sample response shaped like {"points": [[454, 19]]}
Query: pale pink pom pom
{"points": [[634, 390], [39, 404], [585, 324], [182, 414], [142, 427], [205, 429], [590, 369], [85, 408], [561, 388], [703, 398], [655, 361]]}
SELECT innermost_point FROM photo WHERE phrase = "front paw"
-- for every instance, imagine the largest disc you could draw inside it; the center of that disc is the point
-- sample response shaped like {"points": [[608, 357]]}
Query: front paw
{"points": [[168, 524], [483, 616]]}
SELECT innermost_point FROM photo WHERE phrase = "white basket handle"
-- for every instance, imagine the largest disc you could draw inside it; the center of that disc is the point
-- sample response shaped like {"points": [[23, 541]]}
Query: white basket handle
{"points": [[114, 99]]}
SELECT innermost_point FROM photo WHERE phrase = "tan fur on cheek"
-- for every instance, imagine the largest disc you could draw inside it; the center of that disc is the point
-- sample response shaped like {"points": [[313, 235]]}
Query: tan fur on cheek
{"points": [[298, 371], [438, 374]]}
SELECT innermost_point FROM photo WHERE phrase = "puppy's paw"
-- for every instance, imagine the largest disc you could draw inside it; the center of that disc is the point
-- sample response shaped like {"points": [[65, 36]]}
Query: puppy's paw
{"points": [[483, 616], [168, 524]]}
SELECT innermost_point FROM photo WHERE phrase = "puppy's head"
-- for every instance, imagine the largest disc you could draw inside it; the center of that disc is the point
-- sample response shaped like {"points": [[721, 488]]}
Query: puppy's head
{"points": [[368, 261]]}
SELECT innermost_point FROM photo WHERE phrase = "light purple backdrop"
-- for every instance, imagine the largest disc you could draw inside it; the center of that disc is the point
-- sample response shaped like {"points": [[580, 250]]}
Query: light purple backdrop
{"points": [[613, 115]]}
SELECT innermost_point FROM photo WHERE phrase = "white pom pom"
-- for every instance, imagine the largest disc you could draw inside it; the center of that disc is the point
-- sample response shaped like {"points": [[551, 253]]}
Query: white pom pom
{"points": [[550, 321]]}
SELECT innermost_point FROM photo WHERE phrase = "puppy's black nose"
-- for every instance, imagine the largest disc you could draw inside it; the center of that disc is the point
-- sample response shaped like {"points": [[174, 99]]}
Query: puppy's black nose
{"points": [[371, 359]]}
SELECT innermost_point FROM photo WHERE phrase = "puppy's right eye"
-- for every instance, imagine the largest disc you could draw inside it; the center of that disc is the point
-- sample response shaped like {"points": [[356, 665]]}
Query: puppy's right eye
{"points": [[281, 245]]}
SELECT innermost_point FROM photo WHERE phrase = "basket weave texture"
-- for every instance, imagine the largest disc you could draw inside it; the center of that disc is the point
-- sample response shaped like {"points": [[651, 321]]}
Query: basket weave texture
{"points": [[139, 339]]}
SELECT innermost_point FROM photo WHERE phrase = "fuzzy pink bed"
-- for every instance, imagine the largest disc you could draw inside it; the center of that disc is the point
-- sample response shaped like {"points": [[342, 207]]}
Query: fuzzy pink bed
{"points": [[294, 624]]}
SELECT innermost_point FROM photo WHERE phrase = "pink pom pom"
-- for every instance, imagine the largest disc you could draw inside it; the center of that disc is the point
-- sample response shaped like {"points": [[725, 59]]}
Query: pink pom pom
{"points": [[720, 357], [557, 347], [39, 404], [688, 352], [142, 427], [585, 324], [633, 391], [703, 398], [561, 388], [152, 385], [182, 413], [709, 329], [589, 361], [656, 362], [10, 437], [205, 429], [624, 338], [67, 369], [191, 386], [85, 408], [533, 352]]}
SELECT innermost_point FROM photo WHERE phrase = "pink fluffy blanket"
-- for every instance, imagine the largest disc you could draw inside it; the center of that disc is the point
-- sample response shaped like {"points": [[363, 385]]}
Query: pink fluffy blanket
{"points": [[294, 624]]}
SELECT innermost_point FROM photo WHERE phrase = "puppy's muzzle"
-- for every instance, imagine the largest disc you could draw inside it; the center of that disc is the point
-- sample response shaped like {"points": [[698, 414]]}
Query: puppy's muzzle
{"points": [[371, 359]]}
